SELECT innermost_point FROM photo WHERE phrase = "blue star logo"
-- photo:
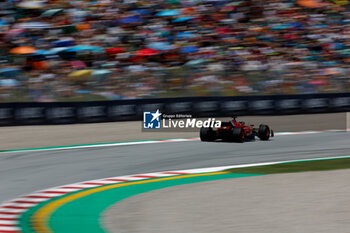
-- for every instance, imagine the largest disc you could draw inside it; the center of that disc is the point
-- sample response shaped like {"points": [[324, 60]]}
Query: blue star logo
{"points": [[151, 120]]}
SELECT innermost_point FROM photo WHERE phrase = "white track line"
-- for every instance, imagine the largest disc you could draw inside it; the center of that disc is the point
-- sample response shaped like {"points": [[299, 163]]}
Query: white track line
{"points": [[156, 142]]}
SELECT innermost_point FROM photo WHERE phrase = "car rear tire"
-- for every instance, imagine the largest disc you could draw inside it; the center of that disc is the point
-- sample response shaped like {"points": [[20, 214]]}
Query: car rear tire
{"points": [[238, 135], [264, 132], [207, 134]]}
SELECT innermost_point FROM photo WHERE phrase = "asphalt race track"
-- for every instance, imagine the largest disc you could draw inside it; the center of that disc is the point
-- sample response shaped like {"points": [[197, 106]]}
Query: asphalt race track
{"points": [[25, 172]]}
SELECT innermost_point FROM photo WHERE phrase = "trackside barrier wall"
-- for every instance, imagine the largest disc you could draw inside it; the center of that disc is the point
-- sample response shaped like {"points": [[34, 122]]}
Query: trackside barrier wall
{"points": [[129, 110]]}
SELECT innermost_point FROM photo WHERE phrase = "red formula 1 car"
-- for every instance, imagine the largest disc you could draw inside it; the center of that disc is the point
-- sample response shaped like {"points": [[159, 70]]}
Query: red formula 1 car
{"points": [[236, 131]]}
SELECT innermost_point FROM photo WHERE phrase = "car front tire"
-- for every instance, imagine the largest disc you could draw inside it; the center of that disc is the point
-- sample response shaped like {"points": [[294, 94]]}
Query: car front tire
{"points": [[264, 132]]}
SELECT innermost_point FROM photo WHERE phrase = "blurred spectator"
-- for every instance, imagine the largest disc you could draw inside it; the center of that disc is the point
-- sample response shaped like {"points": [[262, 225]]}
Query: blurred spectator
{"points": [[94, 50]]}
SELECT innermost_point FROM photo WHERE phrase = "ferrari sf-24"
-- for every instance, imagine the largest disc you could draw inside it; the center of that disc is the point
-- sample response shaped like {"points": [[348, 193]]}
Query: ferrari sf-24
{"points": [[236, 131]]}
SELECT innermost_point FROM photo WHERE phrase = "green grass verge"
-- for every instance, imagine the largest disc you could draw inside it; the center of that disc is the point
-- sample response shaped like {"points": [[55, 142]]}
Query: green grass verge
{"points": [[291, 167]]}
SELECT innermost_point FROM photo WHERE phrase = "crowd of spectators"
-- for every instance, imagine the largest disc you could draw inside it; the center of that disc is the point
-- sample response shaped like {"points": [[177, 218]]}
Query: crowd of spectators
{"points": [[74, 50]]}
